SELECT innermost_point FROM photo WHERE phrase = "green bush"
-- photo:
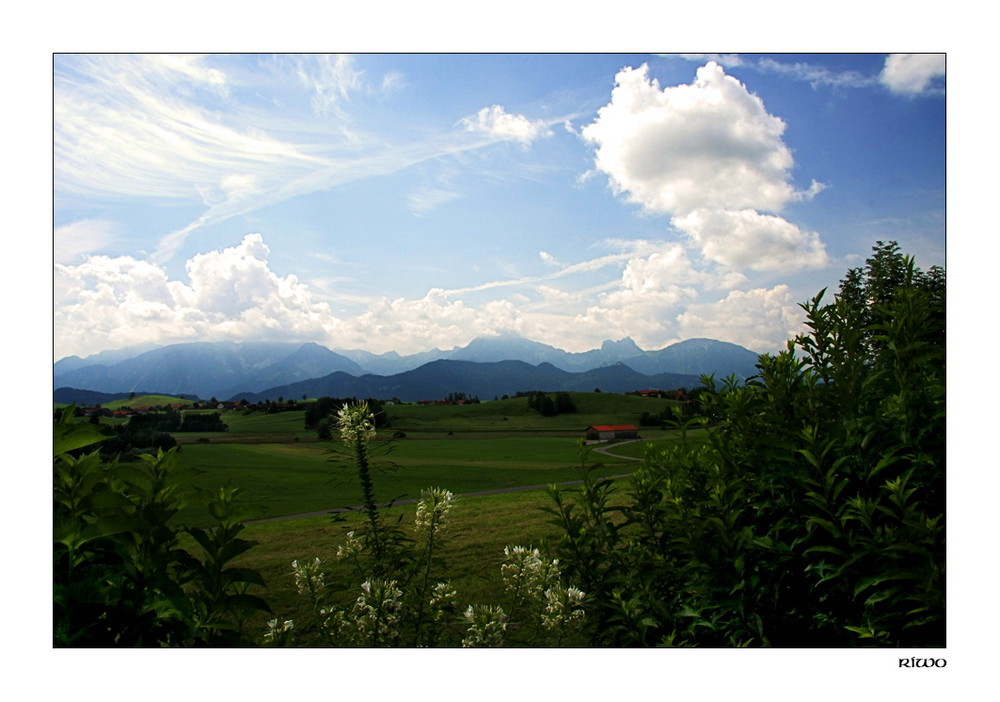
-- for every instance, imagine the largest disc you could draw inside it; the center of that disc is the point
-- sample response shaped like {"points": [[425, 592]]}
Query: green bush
{"points": [[814, 516], [120, 575]]}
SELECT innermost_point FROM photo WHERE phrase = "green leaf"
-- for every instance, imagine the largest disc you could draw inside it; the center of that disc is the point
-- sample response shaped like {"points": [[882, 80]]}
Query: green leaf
{"points": [[177, 597], [70, 437], [248, 602], [244, 575], [203, 538]]}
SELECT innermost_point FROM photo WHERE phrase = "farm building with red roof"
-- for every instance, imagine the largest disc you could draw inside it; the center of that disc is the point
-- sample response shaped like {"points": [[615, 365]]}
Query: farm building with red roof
{"points": [[607, 432]]}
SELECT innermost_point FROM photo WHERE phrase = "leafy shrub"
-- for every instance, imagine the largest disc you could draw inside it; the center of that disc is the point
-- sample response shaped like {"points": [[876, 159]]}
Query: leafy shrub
{"points": [[120, 575], [813, 516]]}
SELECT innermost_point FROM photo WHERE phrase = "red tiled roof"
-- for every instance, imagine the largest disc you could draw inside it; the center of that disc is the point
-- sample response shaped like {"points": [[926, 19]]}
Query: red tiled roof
{"points": [[614, 427]]}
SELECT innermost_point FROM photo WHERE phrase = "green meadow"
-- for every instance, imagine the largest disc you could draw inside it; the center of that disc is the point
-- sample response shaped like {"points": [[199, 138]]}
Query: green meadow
{"points": [[494, 456], [514, 415], [284, 468], [471, 551], [145, 401], [292, 478]]}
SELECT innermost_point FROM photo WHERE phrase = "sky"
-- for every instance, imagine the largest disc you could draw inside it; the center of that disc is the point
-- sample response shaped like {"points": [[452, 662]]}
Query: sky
{"points": [[402, 202]]}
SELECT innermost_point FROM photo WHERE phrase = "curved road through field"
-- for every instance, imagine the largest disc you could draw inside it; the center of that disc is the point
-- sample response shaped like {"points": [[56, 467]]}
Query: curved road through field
{"points": [[607, 451], [496, 491]]}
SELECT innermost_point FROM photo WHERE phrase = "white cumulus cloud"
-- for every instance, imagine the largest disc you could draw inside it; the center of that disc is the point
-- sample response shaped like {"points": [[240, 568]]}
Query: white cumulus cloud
{"points": [[912, 74], [232, 294], [707, 147], [749, 239], [760, 319], [496, 123], [710, 143]]}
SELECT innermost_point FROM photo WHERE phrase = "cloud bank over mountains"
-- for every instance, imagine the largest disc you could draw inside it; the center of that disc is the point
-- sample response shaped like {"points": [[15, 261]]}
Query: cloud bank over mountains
{"points": [[657, 211], [233, 294]]}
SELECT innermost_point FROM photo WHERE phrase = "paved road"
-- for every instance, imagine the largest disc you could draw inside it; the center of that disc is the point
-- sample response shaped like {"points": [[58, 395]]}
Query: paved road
{"points": [[607, 451]]}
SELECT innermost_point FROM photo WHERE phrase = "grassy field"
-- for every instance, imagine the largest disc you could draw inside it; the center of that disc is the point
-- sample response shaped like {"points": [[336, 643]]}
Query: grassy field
{"points": [[296, 477], [258, 426], [145, 401], [514, 415], [286, 471], [472, 550]]}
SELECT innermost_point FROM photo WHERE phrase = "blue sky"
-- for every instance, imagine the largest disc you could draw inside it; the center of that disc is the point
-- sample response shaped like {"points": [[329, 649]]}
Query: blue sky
{"points": [[404, 202]]}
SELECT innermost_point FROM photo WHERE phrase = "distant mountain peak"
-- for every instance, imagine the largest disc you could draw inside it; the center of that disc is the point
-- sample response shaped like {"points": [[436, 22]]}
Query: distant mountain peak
{"points": [[626, 343]]}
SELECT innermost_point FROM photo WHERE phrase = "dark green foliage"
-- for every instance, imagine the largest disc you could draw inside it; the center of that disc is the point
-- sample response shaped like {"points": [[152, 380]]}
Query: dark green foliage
{"points": [[320, 410], [126, 442], [588, 549], [155, 421], [120, 575], [549, 407], [814, 516], [196, 421], [144, 432]]}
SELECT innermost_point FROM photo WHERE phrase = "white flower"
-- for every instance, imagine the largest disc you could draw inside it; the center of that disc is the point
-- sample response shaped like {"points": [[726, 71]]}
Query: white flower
{"points": [[433, 509], [352, 547], [377, 611], [442, 598], [525, 573], [309, 578], [563, 607], [487, 624], [356, 423], [274, 632]]}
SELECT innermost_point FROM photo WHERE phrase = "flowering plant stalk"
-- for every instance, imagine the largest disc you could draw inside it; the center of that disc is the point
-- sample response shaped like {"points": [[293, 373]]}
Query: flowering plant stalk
{"points": [[431, 518], [357, 429], [279, 633], [487, 625], [377, 612], [547, 606]]}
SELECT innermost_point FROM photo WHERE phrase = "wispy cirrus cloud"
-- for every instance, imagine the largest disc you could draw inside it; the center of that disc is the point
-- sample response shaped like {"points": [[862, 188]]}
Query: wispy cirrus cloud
{"points": [[425, 198], [804, 71], [73, 242], [904, 74], [331, 79], [178, 130], [129, 129], [816, 75]]}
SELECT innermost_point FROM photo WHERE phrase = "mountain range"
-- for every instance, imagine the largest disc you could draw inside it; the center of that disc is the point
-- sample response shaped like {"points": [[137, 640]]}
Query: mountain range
{"points": [[486, 380], [486, 367]]}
